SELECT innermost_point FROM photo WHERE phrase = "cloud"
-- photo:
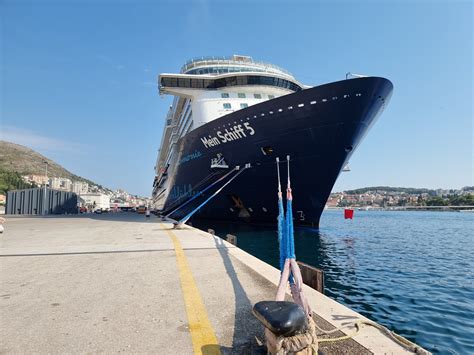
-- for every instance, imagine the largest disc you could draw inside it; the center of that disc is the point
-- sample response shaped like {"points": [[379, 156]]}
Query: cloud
{"points": [[37, 141]]}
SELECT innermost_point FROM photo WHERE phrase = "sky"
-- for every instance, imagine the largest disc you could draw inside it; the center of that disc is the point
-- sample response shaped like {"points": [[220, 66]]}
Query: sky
{"points": [[79, 78]]}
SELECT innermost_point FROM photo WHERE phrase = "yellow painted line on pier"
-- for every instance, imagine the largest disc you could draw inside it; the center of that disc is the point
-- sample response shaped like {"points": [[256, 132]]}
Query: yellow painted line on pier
{"points": [[202, 334]]}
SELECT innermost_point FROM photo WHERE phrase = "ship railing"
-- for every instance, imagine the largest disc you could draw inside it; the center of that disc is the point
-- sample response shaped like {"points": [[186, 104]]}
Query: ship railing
{"points": [[350, 75], [228, 60]]}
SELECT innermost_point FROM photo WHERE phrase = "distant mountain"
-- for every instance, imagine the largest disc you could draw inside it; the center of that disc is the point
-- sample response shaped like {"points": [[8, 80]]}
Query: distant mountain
{"points": [[15, 158]]}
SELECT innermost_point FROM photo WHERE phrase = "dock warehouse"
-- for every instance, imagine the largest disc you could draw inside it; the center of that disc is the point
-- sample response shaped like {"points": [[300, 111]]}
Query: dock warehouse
{"points": [[31, 201]]}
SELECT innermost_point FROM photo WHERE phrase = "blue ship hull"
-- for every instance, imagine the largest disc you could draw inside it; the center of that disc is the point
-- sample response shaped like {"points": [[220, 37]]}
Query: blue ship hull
{"points": [[319, 128]]}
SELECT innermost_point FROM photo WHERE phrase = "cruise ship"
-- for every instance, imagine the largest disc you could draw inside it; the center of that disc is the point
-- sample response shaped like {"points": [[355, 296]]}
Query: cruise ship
{"points": [[232, 117]]}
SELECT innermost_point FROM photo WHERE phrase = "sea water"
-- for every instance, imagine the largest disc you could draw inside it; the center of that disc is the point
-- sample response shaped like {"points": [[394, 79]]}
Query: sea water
{"points": [[410, 271]]}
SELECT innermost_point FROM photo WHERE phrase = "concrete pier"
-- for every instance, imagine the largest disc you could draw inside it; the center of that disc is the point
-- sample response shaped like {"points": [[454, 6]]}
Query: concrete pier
{"points": [[126, 283]]}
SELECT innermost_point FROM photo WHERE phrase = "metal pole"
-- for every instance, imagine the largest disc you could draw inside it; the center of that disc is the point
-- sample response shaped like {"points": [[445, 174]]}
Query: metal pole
{"points": [[45, 183]]}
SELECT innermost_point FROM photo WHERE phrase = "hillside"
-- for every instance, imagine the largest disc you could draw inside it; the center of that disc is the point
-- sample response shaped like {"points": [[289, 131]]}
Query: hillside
{"points": [[408, 190], [15, 158]]}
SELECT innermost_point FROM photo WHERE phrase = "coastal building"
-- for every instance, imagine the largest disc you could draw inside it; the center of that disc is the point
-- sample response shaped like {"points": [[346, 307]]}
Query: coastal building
{"points": [[80, 187], [36, 179], [60, 183], [96, 200]]}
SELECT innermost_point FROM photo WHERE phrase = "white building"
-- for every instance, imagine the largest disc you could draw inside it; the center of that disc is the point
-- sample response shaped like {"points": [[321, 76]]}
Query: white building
{"points": [[59, 183], [39, 180], [80, 187], [96, 200]]}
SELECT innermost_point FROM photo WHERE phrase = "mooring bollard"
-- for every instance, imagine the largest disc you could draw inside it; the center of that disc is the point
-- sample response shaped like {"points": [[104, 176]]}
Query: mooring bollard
{"points": [[312, 276], [2, 220], [232, 239], [211, 231]]}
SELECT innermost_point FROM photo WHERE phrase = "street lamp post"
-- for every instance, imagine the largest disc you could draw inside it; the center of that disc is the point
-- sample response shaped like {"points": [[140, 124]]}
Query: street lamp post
{"points": [[45, 183]]}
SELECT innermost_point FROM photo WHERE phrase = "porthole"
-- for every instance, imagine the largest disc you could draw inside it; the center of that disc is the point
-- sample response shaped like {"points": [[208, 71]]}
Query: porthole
{"points": [[300, 105], [348, 149], [290, 107], [271, 112], [264, 209], [313, 102], [324, 100], [280, 110]]}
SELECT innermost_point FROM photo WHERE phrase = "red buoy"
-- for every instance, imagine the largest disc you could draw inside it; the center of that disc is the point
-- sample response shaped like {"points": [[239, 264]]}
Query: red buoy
{"points": [[348, 213]]}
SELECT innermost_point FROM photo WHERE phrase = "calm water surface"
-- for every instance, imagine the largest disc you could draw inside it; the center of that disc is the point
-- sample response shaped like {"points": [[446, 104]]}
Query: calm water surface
{"points": [[410, 271]]}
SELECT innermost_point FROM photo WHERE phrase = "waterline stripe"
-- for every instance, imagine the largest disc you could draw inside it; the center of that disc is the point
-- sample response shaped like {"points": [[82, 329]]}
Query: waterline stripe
{"points": [[202, 334]]}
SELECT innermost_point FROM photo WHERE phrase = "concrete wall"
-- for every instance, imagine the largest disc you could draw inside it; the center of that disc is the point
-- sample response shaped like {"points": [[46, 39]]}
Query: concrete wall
{"points": [[30, 201]]}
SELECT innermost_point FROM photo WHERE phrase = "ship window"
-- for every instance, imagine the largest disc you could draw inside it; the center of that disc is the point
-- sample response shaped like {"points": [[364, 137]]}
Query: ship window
{"points": [[271, 97], [290, 107], [228, 81], [184, 82], [241, 95], [280, 110], [242, 80], [300, 105], [225, 95], [197, 83], [244, 105], [313, 102], [227, 106]]}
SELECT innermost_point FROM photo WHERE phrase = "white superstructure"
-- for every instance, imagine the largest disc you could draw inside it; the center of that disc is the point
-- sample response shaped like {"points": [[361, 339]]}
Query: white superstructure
{"points": [[209, 88]]}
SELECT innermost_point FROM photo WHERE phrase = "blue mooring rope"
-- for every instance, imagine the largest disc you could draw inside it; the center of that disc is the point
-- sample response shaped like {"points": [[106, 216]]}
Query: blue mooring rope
{"points": [[285, 225]]}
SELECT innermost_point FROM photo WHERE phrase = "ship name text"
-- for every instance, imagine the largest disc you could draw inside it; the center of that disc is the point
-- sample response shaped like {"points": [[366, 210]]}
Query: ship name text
{"points": [[228, 135]]}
